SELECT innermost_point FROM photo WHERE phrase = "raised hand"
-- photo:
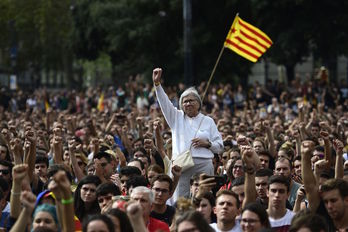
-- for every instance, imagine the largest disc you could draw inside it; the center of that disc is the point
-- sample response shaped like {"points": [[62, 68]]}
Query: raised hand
{"points": [[308, 148], [338, 146], [176, 171], [28, 200], [19, 172], [156, 75]]}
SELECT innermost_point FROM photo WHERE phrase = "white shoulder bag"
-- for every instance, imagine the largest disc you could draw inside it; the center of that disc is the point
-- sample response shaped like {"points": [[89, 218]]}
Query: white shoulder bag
{"points": [[184, 159]]}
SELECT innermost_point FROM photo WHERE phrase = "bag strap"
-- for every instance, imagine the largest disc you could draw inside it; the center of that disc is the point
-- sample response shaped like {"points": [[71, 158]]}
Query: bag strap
{"points": [[198, 129]]}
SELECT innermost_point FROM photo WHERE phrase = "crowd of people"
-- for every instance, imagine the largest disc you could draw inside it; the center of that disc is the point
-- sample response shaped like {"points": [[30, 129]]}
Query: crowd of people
{"points": [[150, 157]]}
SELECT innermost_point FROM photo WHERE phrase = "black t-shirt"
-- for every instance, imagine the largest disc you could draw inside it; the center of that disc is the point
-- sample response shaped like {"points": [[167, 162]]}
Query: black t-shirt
{"points": [[166, 217]]}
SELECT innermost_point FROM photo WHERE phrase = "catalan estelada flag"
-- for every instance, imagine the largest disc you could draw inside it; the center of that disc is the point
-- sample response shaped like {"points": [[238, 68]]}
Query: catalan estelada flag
{"points": [[247, 40]]}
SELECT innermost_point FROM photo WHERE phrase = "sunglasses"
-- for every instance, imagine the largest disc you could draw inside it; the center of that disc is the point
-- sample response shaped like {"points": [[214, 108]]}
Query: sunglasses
{"points": [[5, 172]]}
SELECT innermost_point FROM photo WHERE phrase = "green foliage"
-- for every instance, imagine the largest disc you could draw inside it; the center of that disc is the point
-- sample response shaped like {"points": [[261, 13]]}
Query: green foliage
{"points": [[138, 35]]}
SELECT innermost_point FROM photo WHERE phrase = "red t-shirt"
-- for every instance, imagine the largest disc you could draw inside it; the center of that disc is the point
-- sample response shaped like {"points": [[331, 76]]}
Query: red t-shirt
{"points": [[155, 225]]}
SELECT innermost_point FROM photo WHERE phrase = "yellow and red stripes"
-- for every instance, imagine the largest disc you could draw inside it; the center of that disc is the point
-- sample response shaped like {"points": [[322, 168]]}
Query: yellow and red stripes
{"points": [[247, 40]]}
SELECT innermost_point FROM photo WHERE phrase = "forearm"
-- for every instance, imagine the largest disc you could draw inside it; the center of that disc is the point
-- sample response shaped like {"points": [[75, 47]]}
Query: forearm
{"points": [[77, 170], [167, 108], [272, 146], [249, 189], [31, 161], [339, 172], [297, 206], [310, 183], [303, 133], [17, 158], [159, 143], [327, 148], [15, 203], [22, 221], [298, 146]]}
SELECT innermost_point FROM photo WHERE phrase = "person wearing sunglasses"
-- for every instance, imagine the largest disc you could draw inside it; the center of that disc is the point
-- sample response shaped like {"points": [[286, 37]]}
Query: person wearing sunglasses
{"points": [[5, 171]]}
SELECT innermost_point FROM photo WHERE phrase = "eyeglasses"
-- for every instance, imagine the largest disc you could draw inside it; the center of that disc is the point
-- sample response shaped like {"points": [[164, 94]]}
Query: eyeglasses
{"points": [[189, 101], [5, 172], [225, 157], [249, 220], [159, 190]]}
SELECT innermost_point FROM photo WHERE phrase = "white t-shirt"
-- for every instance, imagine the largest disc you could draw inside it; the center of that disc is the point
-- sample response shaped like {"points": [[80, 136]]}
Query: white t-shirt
{"points": [[236, 227], [282, 223]]}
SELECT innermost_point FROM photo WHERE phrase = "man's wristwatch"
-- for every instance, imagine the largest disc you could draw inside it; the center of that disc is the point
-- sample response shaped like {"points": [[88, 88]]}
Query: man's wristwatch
{"points": [[209, 146]]}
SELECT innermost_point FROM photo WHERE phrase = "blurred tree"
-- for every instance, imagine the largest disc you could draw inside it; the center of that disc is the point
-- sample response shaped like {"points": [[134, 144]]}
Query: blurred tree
{"points": [[43, 30], [299, 28]]}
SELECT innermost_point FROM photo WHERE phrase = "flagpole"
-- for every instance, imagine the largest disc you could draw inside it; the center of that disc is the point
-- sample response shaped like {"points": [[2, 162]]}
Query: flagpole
{"points": [[212, 73], [217, 61]]}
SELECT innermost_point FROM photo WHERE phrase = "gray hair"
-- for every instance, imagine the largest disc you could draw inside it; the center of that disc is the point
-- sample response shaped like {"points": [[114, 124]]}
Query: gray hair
{"points": [[190, 91], [143, 189]]}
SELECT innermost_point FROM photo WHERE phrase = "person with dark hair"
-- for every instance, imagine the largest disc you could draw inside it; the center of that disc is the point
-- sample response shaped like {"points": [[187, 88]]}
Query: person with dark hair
{"points": [[54, 168], [141, 154], [261, 183], [254, 218], [205, 205], [153, 170], [194, 184], [278, 190], [162, 187], [6, 170], [125, 174], [192, 221], [120, 220], [134, 182], [297, 169], [283, 167], [4, 152], [98, 222], [238, 187], [266, 160], [105, 192], [103, 166], [334, 193], [41, 167], [308, 221], [226, 210], [139, 164], [85, 198]]}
